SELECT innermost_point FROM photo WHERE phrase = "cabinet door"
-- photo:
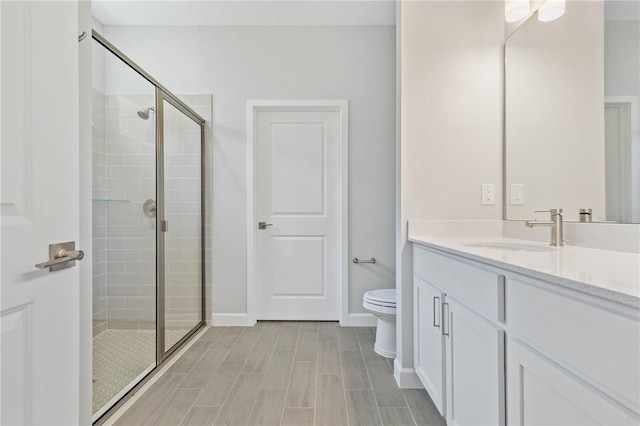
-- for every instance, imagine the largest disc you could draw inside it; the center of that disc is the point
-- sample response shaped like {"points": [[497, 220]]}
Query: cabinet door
{"points": [[429, 344], [475, 368], [542, 393]]}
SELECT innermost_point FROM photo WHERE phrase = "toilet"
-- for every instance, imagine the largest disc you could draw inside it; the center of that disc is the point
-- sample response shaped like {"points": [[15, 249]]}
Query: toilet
{"points": [[382, 304]]}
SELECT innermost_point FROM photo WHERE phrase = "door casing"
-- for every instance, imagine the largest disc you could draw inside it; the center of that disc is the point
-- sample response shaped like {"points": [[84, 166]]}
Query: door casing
{"points": [[254, 106]]}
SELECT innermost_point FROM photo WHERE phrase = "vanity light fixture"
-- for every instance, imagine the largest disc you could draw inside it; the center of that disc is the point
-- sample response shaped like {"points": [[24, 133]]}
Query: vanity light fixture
{"points": [[551, 9], [515, 10]]}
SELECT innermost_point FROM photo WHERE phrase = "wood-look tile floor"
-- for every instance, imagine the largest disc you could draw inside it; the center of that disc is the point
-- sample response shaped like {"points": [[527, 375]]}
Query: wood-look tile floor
{"points": [[282, 373]]}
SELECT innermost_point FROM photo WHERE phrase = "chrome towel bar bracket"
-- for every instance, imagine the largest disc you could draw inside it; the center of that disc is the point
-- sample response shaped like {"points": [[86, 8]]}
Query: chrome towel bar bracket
{"points": [[372, 260]]}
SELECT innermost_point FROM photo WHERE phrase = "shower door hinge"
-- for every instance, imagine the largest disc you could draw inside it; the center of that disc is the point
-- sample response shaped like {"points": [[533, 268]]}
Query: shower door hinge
{"points": [[164, 226]]}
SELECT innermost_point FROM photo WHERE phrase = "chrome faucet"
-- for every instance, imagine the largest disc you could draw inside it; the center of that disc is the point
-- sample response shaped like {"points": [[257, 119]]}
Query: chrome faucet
{"points": [[555, 223]]}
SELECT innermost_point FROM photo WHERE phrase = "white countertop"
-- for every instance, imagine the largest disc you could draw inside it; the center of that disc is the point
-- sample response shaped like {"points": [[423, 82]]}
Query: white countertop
{"points": [[612, 275]]}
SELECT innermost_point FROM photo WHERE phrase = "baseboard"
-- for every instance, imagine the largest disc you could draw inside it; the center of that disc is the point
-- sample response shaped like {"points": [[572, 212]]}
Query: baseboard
{"points": [[230, 320], [406, 378], [242, 320], [359, 320]]}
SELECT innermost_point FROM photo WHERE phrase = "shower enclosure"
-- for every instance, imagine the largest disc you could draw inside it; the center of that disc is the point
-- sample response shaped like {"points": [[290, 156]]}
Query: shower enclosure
{"points": [[148, 225]]}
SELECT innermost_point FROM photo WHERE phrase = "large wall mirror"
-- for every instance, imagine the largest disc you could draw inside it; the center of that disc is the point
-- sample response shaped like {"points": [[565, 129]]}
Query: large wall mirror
{"points": [[571, 107]]}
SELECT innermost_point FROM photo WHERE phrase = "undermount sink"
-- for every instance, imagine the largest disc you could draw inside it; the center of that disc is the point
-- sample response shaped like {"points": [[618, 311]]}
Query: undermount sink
{"points": [[509, 246]]}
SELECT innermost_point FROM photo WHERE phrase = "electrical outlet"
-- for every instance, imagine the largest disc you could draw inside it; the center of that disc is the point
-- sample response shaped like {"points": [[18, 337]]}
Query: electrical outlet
{"points": [[488, 194], [517, 194]]}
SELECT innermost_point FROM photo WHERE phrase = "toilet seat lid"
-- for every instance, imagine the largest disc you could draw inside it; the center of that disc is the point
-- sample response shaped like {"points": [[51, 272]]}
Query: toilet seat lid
{"points": [[385, 296]]}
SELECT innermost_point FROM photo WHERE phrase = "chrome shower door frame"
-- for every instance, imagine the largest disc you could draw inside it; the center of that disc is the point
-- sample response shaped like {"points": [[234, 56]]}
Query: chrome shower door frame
{"points": [[163, 94], [161, 228]]}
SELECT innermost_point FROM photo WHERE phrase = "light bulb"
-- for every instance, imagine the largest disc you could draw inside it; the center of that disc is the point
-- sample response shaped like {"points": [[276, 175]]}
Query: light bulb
{"points": [[551, 9], [515, 10]]}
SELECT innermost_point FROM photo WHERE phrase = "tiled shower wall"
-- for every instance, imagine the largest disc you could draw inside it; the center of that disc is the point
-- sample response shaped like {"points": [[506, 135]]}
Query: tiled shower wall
{"points": [[124, 238], [131, 235]]}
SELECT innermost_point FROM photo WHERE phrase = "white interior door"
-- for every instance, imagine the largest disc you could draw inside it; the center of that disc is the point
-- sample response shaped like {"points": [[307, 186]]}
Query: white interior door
{"points": [[622, 161], [39, 312], [298, 178]]}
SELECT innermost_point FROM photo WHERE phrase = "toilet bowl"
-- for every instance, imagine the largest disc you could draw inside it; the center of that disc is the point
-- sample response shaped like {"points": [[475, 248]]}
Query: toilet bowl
{"points": [[382, 304]]}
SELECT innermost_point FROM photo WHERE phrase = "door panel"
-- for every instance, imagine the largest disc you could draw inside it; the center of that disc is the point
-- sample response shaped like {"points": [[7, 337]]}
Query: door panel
{"points": [[543, 394], [429, 344], [39, 205], [475, 368], [286, 277], [297, 171], [298, 195]]}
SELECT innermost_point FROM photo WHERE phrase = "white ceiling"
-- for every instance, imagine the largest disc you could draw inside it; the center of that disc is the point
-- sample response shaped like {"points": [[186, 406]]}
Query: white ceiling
{"points": [[243, 12]]}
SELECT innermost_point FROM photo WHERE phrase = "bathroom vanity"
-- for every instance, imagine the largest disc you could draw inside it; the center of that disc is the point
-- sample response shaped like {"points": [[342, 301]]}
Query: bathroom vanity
{"points": [[518, 332]]}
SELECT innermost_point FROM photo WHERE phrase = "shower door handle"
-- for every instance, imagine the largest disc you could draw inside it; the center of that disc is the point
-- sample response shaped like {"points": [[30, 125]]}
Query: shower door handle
{"points": [[61, 255]]}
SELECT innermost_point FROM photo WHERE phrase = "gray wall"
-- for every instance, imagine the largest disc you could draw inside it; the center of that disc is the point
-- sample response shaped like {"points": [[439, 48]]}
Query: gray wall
{"points": [[622, 58], [241, 63]]}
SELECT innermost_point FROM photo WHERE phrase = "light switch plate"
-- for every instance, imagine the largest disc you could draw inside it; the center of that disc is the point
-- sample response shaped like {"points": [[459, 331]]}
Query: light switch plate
{"points": [[517, 194], [488, 194]]}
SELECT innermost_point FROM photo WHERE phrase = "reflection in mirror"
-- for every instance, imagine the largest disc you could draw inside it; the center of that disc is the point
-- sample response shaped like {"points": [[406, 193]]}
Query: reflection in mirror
{"points": [[621, 90], [563, 149]]}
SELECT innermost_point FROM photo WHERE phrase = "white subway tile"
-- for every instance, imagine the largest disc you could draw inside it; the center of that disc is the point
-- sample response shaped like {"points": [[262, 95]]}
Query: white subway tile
{"points": [[186, 160], [148, 290], [183, 195], [140, 267], [123, 255], [121, 148], [123, 290], [123, 183], [191, 184], [183, 267], [189, 303], [140, 302], [182, 207], [115, 267], [181, 171], [182, 279], [146, 160], [131, 314], [131, 172], [117, 302]]}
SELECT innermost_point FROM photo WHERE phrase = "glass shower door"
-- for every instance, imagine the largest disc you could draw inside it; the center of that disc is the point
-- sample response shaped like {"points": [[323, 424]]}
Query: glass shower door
{"points": [[147, 226], [182, 227], [124, 228]]}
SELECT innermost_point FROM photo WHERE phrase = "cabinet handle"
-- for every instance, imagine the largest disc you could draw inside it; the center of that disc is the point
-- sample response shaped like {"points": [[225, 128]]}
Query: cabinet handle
{"points": [[445, 316], [436, 305]]}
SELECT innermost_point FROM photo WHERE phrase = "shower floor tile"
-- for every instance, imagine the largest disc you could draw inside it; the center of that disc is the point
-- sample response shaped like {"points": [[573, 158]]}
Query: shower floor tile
{"points": [[119, 357]]}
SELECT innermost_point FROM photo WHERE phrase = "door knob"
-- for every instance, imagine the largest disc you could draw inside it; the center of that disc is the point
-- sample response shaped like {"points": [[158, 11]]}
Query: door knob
{"points": [[61, 255], [263, 225]]}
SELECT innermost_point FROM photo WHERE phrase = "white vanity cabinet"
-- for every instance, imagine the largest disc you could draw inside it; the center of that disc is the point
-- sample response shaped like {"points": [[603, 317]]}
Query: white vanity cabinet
{"points": [[429, 339], [459, 349], [572, 358], [475, 366], [494, 346]]}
